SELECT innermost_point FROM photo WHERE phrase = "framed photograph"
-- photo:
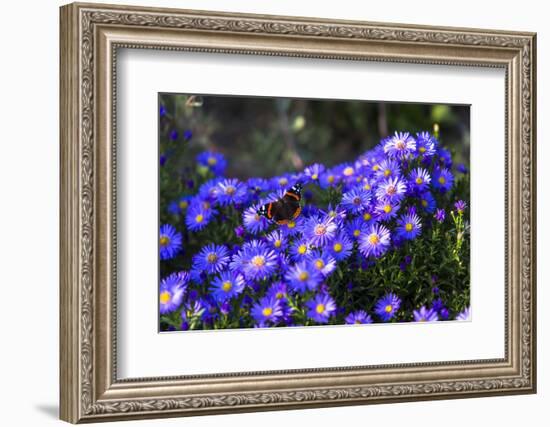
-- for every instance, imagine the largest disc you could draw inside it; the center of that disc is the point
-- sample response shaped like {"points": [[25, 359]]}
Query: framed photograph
{"points": [[265, 212]]}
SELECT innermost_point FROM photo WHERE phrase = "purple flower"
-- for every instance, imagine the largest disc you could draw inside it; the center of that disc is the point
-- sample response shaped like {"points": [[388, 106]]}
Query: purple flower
{"points": [[425, 144], [171, 291], [443, 180], [340, 248], [303, 277], [318, 231], [253, 221], [322, 262], [387, 306], [427, 202], [255, 260], [299, 249], [227, 286], [174, 135], [409, 226], [239, 231], [460, 206], [267, 311], [387, 168], [376, 241], [358, 318], [391, 190], [277, 240], [211, 259], [356, 228], [400, 145], [464, 315], [314, 171], [321, 308], [215, 162], [440, 215], [198, 215], [425, 315], [231, 191], [419, 179], [169, 241], [386, 210], [355, 200]]}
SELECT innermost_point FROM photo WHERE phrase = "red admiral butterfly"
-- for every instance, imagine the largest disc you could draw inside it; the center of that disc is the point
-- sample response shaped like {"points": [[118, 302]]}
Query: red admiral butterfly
{"points": [[286, 208]]}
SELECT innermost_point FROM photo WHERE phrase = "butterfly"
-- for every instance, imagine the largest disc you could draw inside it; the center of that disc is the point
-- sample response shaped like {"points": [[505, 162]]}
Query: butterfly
{"points": [[286, 208]]}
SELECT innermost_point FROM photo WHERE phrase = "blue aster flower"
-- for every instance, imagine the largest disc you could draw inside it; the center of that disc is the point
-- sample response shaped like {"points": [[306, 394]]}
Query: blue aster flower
{"points": [[427, 202], [215, 162], [356, 227], [254, 222], [355, 200], [300, 249], [387, 306], [445, 157], [169, 241], [211, 259], [440, 215], [323, 262], [303, 277], [391, 189], [292, 227], [425, 144], [376, 241], [358, 318], [277, 240], [197, 217], [209, 191], [227, 285], [278, 290], [177, 207], [400, 145], [408, 226], [330, 178], [387, 168], [460, 206], [386, 210], [340, 248], [171, 291], [464, 315], [337, 213], [419, 179], [231, 191], [425, 315], [255, 260], [321, 308], [258, 185], [314, 171], [267, 311], [443, 180], [282, 182], [319, 230]]}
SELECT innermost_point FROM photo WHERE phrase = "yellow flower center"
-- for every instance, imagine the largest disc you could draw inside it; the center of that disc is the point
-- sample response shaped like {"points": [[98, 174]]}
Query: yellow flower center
{"points": [[165, 297], [330, 179], [367, 216], [291, 224], [388, 308], [314, 176], [422, 149], [267, 311], [258, 261], [183, 204], [348, 171], [212, 258], [374, 239], [212, 161], [230, 190], [279, 295], [303, 276], [357, 322], [319, 264], [199, 218], [337, 247], [302, 249], [283, 181], [375, 167], [441, 180], [226, 286], [419, 180], [320, 309], [408, 226], [424, 203], [164, 240], [320, 229], [387, 172], [277, 243], [387, 208], [367, 186], [356, 233]]}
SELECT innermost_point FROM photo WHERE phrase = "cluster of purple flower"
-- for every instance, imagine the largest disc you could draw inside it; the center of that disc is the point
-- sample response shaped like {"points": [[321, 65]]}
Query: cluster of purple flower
{"points": [[276, 275]]}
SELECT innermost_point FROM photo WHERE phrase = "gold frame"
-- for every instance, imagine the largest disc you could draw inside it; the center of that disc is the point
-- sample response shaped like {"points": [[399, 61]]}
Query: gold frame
{"points": [[90, 36]]}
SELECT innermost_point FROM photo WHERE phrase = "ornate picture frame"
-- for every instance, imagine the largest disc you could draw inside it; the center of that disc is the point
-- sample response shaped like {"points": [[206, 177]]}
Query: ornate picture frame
{"points": [[90, 37]]}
